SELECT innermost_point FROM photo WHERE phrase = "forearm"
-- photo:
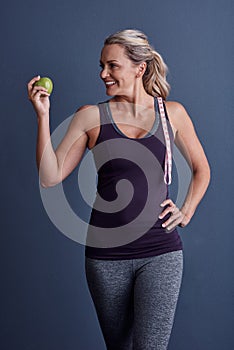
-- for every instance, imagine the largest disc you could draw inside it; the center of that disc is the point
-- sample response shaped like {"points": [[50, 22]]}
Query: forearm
{"points": [[197, 188], [45, 156]]}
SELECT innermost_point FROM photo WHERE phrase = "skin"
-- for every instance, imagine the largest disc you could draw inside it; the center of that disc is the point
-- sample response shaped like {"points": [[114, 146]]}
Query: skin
{"points": [[133, 111]]}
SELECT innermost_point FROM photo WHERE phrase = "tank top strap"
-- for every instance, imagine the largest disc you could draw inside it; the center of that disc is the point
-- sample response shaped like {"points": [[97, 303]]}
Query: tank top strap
{"points": [[165, 110], [104, 119]]}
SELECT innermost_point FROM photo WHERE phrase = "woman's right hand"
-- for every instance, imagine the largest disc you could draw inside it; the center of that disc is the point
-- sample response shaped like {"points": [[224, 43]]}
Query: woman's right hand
{"points": [[39, 97]]}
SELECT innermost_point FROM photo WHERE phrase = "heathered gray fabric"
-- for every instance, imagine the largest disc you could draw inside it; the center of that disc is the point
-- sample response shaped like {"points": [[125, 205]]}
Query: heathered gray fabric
{"points": [[136, 299]]}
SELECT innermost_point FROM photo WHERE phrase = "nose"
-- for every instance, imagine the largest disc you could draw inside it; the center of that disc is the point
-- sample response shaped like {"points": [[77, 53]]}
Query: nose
{"points": [[104, 73]]}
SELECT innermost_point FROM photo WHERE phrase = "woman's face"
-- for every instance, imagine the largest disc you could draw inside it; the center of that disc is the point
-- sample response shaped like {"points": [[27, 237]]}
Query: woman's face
{"points": [[118, 72]]}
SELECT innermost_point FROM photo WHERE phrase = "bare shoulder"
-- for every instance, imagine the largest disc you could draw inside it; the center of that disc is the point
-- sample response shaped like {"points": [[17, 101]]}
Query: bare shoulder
{"points": [[175, 108], [85, 107], [177, 114], [87, 116]]}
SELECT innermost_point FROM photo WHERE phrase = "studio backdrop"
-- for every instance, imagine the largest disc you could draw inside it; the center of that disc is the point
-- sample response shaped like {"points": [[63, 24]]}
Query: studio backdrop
{"points": [[45, 302]]}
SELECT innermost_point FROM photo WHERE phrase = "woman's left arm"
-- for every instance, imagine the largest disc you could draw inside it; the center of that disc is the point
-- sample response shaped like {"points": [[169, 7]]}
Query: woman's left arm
{"points": [[189, 145]]}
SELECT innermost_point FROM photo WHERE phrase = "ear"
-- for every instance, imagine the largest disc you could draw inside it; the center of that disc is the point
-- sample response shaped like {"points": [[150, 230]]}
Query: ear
{"points": [[141, 69]]}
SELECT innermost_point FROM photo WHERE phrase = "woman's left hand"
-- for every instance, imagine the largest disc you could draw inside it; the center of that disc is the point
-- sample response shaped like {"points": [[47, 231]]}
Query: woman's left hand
{"points": [[177, 216]]}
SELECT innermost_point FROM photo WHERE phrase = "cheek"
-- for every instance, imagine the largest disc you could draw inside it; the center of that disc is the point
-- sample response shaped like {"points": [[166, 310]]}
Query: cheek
{"points": [[130, 78]]}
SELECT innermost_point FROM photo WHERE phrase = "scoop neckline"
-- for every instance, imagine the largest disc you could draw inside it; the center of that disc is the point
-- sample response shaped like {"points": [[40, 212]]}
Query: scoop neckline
{"points": [[150, 133]]}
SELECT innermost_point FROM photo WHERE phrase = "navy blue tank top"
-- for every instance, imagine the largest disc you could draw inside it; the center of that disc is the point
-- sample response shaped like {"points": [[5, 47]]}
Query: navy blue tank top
{"points": [[124, 221]]}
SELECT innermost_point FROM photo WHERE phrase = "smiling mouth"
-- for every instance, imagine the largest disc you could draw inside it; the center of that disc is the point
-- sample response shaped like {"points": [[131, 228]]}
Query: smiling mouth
{"points": [[110, 83]]}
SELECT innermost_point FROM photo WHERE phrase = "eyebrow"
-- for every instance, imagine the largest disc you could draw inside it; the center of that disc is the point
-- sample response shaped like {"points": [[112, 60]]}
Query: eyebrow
{"points": [[110, 61]]}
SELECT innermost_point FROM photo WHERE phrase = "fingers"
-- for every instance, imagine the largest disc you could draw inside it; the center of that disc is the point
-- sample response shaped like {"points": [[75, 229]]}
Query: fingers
{"points": [[32, 82], [176, 217], [38, 92], [170, 209], [173, 221], [35, 92], [167, 201]]}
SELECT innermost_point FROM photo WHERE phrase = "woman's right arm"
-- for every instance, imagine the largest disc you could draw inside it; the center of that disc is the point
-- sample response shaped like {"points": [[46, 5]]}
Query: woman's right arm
{"points": [[55, 166]]}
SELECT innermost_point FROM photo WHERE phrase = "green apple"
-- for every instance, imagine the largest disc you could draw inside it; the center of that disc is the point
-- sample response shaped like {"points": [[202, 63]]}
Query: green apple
{"points": [[46, 83]]}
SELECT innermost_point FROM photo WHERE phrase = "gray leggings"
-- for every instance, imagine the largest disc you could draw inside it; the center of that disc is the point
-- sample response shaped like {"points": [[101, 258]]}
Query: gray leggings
{"points": [[136, 299]]}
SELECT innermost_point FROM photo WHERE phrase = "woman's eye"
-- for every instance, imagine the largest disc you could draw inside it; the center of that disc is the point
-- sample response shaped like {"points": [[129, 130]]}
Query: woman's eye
{"points": [[111, 65]]}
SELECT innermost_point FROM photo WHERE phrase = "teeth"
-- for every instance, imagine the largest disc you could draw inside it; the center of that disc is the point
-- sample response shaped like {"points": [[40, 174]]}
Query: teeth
{"points": [[110, 82]]}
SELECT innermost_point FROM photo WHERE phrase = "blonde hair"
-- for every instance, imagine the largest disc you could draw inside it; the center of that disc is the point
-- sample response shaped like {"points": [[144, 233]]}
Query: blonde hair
{"points": [[138, 50]]}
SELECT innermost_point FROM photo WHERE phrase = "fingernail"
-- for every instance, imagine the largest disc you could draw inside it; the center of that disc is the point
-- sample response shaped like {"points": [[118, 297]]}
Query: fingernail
{"points": [[163, 225], [161, 205]]}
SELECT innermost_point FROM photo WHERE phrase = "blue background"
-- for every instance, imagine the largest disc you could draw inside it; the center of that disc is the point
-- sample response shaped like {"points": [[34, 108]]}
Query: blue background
{"points": [[45, 302]]}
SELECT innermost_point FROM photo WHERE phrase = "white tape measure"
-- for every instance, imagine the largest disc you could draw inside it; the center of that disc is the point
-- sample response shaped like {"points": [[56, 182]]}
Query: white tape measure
{"points": [[168, 157]]}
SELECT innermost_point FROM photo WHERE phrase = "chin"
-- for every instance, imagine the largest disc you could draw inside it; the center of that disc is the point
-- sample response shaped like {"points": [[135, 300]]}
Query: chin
{"points": [[109, 93]]}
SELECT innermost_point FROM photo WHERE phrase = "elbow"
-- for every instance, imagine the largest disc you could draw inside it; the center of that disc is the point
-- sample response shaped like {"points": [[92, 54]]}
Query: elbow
{"points": [[49, 180], [44, 185], [203, 172], [47, 184], [207, 172]]}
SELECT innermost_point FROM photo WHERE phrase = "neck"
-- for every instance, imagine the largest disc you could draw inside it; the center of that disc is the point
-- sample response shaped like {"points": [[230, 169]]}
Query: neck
{"points": [[134, 102]]}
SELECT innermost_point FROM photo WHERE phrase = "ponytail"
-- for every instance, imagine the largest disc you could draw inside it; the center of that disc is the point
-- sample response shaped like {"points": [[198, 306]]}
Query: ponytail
{"points": [[154, 79]]}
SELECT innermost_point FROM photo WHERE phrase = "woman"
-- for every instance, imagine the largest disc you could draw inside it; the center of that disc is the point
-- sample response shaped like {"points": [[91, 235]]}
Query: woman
{"points": [[133, 271]]}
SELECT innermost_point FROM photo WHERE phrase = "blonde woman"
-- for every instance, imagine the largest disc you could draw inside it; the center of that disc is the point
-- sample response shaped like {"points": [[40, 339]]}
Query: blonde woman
{"points": [[133, 271]]}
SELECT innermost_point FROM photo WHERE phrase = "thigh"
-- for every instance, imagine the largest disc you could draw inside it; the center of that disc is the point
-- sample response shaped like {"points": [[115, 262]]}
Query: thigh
{"points": [[111, 287], [156, 293]]}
